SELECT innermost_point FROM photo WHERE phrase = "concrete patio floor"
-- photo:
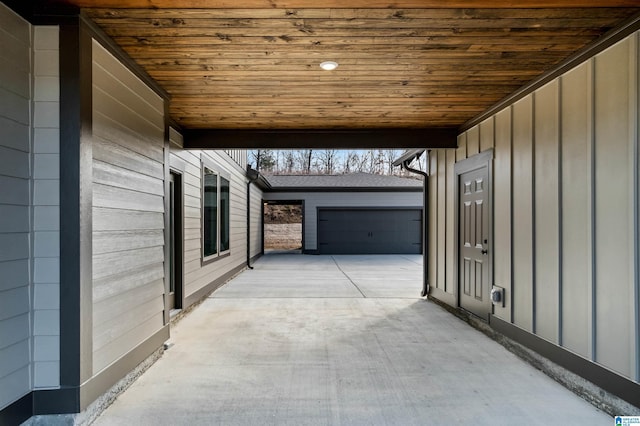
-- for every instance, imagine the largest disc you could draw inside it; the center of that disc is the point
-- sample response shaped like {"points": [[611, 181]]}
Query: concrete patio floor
{"points": [[338, 340]]}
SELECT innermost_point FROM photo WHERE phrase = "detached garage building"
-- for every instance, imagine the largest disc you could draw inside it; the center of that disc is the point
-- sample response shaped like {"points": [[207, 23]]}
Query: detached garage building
{"points": [[356, 213]]}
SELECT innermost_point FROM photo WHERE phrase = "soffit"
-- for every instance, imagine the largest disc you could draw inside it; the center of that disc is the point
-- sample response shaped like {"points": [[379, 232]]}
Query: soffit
{"points": [[402, 64]]}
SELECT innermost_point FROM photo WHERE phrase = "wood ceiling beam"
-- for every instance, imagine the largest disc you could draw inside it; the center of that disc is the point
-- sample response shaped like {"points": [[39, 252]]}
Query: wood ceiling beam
{"points": [[394, 17], [349, 4], [318, 27], [312, 138], [416, 53]]}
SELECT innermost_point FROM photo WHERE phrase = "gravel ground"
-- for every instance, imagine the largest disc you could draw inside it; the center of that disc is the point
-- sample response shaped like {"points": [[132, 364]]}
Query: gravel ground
{"points": [[283, 236]]}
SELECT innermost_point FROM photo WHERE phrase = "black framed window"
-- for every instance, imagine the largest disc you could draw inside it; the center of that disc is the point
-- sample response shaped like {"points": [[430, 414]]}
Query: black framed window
{"points": [[224, 214], [216, 213], [210, 213]]}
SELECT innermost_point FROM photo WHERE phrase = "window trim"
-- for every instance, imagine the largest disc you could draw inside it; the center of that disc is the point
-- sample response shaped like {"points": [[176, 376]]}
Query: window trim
{"points": [[203, 255], [213, 168], [220, 215]]}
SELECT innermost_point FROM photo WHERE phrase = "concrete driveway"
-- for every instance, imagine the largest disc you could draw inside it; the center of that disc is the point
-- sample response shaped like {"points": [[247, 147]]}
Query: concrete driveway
{"points": [[338, 340]]}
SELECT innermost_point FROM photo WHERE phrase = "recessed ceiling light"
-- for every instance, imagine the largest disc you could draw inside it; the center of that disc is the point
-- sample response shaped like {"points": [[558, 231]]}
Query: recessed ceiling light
{"points": [[329, 65]]}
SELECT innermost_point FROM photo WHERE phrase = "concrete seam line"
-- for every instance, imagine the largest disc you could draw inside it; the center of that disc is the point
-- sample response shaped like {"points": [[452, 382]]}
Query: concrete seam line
{"points": [[348, 277]]}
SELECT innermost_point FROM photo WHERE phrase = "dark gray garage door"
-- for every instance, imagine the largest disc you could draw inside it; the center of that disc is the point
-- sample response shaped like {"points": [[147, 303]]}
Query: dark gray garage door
{"points": [[371, 231]]}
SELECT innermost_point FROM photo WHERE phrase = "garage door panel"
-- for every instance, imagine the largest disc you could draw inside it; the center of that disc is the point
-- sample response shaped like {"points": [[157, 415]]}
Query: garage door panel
{"points": [[370, 231]]}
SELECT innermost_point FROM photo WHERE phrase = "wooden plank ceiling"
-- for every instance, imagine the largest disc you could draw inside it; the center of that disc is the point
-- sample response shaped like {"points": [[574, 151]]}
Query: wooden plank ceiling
{"points": [[402, 64]]}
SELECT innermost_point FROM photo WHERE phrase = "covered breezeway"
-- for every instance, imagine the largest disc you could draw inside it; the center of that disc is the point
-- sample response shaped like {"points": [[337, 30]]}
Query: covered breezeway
{"points": [[329, 340], [529, 109]]}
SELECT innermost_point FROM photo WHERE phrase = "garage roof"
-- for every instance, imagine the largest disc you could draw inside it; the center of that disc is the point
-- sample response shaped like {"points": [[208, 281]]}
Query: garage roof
{"points": [[354, 182]]}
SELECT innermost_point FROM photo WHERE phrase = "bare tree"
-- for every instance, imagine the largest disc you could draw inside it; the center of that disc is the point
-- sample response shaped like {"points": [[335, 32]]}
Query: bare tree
{"points": [[276, 168], [309, 158], [389, 156], [331, 161], [327, 161], [374, 162], [303, 160], [351, 162], [290, 161], [363, 162]]}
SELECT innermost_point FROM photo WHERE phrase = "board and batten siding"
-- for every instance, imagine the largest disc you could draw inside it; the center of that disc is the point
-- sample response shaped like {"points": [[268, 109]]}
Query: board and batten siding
{"points": [[239, 156], [566, 196], [15, 226], [313, 200], [199, 276], [128, 210]]}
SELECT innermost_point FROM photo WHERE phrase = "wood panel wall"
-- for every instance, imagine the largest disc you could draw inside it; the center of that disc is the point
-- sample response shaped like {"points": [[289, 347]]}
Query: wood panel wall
{"points": [[128, 210], [566, 193]]}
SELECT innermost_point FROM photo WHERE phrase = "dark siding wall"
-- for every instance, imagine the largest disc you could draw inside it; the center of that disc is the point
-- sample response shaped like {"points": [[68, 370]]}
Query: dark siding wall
{"points": [[128, 210]]}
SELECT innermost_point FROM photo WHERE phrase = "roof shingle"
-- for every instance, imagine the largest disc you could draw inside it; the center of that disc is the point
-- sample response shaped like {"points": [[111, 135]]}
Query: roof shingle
{"points": [[353, 180]]}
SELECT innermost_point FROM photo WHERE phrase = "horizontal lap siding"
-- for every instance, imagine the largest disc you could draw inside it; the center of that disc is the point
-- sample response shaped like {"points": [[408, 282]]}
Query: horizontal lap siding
{"points": [[199, 276], [256, 221], [15, 171], [565, 208], [128, 210], [46, 208], [314, 200], [189, 163]]}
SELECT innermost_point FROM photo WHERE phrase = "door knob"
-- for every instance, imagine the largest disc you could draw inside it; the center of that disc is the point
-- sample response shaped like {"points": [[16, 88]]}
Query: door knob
{"points": [[485, 251]]}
